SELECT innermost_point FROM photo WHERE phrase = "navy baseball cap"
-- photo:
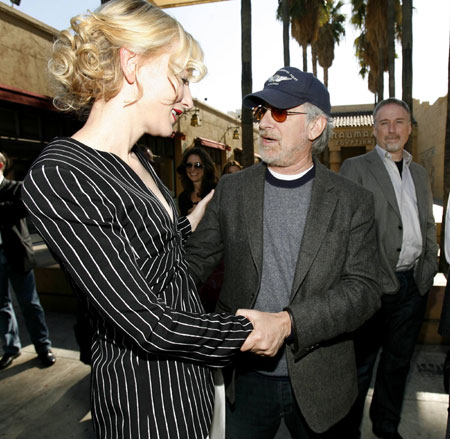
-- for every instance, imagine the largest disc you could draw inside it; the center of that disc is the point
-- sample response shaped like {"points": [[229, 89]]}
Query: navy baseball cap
{"points": [[289, 87]]}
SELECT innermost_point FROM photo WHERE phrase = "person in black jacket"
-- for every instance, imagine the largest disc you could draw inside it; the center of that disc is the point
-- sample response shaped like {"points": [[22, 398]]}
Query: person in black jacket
{"points": [[16, 270]]}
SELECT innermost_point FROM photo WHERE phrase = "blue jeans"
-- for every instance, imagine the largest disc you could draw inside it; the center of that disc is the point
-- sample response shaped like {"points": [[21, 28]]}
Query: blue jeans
{"points": [[261, 402], [24, 287]]}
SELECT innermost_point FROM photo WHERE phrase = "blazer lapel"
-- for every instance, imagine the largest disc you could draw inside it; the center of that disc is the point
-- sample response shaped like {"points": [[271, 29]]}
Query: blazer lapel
{"points": [[377, 168], [321, 208], [253, 202]]}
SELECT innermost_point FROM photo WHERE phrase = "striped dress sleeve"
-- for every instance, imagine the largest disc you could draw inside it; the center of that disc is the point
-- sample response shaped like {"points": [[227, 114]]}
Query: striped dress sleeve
{"points": [[82, 225]]}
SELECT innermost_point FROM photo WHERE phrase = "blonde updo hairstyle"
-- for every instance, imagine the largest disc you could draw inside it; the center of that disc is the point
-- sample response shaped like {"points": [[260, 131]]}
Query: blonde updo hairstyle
{"points": [[86, 60]]}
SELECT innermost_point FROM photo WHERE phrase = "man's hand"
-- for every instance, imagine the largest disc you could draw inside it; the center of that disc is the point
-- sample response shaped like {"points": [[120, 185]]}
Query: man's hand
{"points": [[269, 333], [196, 214]]}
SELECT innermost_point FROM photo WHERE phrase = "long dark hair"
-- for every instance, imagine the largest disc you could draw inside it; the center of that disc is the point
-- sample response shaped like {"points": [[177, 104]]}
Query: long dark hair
{"points": [[209, 180]]}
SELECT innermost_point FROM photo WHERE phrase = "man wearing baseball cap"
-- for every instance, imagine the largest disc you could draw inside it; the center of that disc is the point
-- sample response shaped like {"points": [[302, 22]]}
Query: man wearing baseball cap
{"points": [[298, 243]]}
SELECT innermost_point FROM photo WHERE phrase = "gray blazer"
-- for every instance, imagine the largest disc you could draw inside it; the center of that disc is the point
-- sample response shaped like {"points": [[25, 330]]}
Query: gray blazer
{"points": [[370, 171], [335, 286]]}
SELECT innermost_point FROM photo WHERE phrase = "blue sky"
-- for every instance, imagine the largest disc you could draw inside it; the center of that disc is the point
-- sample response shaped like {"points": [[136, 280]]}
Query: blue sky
{"points": [[217, 27]]}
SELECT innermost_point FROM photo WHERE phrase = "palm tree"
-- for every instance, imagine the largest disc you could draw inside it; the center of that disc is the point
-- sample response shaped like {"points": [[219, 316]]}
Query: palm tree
{"points": [[246, 82], [391, 46], [371, 17], [306, 18], [330, 33], [407, 72], [376, 25], [367, 61], [314, 56], [363, 50], [284, 6]]}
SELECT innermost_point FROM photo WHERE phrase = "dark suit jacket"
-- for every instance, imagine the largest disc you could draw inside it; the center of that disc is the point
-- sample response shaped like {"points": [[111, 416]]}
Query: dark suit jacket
{"points": [[335, 285], [370, 171], [17, 244]]}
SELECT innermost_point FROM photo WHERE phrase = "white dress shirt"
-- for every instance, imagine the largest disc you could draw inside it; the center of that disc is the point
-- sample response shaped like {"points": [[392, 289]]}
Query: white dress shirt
{"points": [[405, 193]]}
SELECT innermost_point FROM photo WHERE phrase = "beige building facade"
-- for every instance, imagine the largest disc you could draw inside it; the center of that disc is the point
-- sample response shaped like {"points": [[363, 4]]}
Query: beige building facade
{"points": [[26, 46], [352, 134]]}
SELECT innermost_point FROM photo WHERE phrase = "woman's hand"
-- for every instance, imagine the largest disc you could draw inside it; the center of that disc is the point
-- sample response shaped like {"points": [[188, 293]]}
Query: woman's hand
{"points": [[197, 214]]}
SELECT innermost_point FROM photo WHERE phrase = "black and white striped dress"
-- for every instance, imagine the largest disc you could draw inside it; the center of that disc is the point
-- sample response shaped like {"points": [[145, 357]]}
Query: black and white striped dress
{"points": [[153, 345]]}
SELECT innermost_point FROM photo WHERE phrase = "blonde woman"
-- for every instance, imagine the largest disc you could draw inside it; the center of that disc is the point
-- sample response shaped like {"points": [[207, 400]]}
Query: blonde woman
{"points": [[113, 226]]}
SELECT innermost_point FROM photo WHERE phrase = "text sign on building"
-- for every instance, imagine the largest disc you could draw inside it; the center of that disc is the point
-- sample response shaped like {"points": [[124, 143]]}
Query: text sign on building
{"points": [[353, 138]]}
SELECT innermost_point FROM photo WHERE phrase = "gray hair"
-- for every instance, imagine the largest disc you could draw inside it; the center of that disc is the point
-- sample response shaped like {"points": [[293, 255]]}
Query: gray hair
{"points": [[2, 159], [388, 101], [312, 113]]}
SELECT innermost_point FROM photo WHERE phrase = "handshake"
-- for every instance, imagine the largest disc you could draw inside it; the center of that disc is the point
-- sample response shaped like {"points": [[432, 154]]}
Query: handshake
{"points": [[270, 330]]}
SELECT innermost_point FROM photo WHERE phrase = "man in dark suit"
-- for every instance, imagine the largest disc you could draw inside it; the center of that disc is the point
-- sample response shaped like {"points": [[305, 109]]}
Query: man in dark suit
{"points": [[406, 235], [298, 241], [16, 271]]}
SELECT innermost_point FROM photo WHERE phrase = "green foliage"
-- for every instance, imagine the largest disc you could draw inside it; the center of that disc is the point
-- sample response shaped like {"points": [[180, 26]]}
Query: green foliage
{"points": [[370, 17]]}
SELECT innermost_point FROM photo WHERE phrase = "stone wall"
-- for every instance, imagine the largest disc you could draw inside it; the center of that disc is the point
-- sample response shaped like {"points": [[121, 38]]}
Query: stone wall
{"points": [[430, 141], [26, 46]]}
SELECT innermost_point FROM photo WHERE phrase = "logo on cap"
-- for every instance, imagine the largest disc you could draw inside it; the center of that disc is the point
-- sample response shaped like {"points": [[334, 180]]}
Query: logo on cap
{"points": [[276, 79]]}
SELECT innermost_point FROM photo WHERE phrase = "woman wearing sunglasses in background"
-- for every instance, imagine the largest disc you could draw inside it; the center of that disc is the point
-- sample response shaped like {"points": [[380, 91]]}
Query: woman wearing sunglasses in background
{"points": [[198, 177]]}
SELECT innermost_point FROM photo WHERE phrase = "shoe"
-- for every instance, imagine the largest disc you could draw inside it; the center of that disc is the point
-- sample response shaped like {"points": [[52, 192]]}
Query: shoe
{"points": [[7, 359], [395, 435], [47, 358]]}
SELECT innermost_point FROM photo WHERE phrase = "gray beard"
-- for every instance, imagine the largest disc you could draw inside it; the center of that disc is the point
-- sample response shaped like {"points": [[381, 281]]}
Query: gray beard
{"points": [[393, 147]]}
